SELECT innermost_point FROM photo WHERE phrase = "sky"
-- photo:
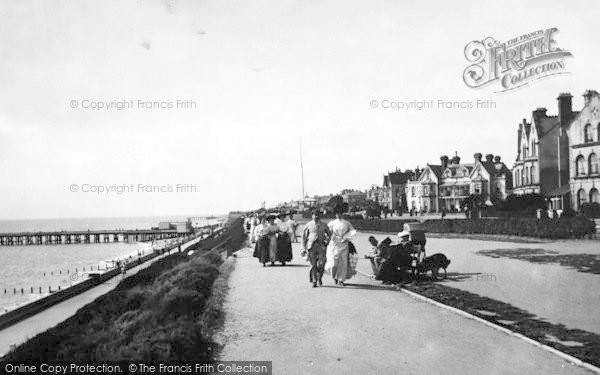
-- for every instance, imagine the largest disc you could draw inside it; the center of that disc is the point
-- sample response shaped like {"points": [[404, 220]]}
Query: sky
{"points": [[260, 78]]}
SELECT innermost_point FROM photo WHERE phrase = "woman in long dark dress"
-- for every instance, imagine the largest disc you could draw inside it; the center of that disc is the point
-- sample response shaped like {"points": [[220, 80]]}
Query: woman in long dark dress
{"points": [[284, 240], [263, 241]]}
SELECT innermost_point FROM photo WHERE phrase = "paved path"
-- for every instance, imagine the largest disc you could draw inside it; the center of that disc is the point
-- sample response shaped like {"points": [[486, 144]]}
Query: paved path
{"points": [[30, 327], [274, 314], [541, 289]]}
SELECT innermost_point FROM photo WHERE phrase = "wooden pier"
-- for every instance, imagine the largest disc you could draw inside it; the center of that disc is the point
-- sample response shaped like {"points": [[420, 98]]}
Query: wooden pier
{"points": [[90, 236]]}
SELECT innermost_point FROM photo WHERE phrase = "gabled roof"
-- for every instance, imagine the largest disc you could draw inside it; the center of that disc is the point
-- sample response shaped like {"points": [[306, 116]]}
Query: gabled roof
{"points": [[454, 167], [436, 169]]}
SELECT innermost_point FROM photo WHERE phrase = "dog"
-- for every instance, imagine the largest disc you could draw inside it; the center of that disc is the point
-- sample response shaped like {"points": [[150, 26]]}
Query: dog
{"points": [[434, 263]]}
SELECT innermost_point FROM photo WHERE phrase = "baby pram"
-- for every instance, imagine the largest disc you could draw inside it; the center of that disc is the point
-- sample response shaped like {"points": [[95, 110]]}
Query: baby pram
{"points": [[417, 243]]}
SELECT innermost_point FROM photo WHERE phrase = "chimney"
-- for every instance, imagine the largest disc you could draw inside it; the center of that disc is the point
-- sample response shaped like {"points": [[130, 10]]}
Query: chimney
{"points": [[565, 107], [587, 96], [539, 113], [497, 159], [456, 160], [444, 160], [489, 158], [477, 157]]}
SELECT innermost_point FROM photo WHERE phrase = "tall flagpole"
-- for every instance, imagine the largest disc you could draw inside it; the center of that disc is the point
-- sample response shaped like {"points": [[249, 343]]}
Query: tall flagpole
{"points": [[302, 169]]}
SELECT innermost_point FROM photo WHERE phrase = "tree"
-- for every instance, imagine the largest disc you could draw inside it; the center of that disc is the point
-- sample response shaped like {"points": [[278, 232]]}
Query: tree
{"points": [[473, 205], [334, 201]]}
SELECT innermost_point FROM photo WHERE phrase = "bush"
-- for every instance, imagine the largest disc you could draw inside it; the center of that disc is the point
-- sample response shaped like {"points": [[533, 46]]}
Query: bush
{"points": [[565, 227], [591, 210]]}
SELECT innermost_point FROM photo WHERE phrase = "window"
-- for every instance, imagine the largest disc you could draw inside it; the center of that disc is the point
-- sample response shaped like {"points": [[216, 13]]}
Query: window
{"points": [[526, 175], [593, 164], [522, 176], [587, 133], [533, 148], [532, 175], [580, 166], [581, 198], [412, 191], [524, 152], [594, 196]]}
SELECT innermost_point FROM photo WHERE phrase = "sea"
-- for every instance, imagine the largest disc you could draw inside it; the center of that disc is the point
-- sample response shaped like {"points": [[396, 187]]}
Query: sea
{"points": [[28, 272]]}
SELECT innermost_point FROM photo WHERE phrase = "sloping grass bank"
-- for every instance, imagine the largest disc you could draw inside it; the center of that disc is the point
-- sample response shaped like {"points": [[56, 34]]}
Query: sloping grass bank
{"points": [[156, 314]]}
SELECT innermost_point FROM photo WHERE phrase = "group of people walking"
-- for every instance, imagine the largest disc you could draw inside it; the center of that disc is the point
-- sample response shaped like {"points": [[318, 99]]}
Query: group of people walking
{"points": [[328, 248], [273, 237]]}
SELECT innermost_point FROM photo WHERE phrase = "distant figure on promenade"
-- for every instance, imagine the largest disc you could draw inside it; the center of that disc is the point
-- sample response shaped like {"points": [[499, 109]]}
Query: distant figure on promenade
{"points": [[284, 240], [261, 237], [337, 250], [247, 224], [294, 226], [254, 222], [273, 229], [315, 237]]}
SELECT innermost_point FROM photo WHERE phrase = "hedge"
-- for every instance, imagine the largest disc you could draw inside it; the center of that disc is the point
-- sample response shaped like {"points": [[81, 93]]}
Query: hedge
{"points": [[564, 227]]}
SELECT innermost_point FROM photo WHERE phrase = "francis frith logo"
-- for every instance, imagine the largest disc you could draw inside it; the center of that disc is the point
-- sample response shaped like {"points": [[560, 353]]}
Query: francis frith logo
{"points": [[514, 63]]}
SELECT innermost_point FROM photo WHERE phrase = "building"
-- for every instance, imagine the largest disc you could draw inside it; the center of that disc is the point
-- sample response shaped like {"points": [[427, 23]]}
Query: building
{"points": [[455, 183], [447, 185], [584, 136], [354, 197], [490, 178], [375, 194], [429, 184], [179, 226], [307, 203], [394, 195], [542, 163]]}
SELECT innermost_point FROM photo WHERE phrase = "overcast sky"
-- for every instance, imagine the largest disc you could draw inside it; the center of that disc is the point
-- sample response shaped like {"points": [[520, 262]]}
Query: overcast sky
{"points": [[264, 75]]}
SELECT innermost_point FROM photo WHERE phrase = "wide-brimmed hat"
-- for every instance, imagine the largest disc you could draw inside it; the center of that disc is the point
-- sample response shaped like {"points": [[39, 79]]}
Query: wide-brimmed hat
{"points": [[404, 233]]}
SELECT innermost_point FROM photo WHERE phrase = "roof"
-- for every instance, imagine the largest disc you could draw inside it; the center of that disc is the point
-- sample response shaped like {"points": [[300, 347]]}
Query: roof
{"points": [[454, 167], [560, 191], [436, 169]]}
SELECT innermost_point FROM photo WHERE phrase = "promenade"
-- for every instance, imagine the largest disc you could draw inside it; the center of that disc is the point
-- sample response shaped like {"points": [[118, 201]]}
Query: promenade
{"points": [[28, 328], [274, 314]]}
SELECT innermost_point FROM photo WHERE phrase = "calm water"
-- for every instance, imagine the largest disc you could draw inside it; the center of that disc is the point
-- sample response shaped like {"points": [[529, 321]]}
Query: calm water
{"points": [[62, 265]]}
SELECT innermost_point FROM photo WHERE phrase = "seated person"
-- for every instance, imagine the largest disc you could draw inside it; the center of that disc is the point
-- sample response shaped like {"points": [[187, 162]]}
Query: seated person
{"points": [[379, 253], [394, 268]]}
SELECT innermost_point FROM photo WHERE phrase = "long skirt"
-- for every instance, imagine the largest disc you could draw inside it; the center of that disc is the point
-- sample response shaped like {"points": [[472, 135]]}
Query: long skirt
{"points": [[261, 250], [337, 260], [272, 248], [284, 248]]}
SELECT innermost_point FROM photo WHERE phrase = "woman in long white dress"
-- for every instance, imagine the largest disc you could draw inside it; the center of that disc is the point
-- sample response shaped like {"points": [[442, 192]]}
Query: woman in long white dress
{"points": [[337, 250]]}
